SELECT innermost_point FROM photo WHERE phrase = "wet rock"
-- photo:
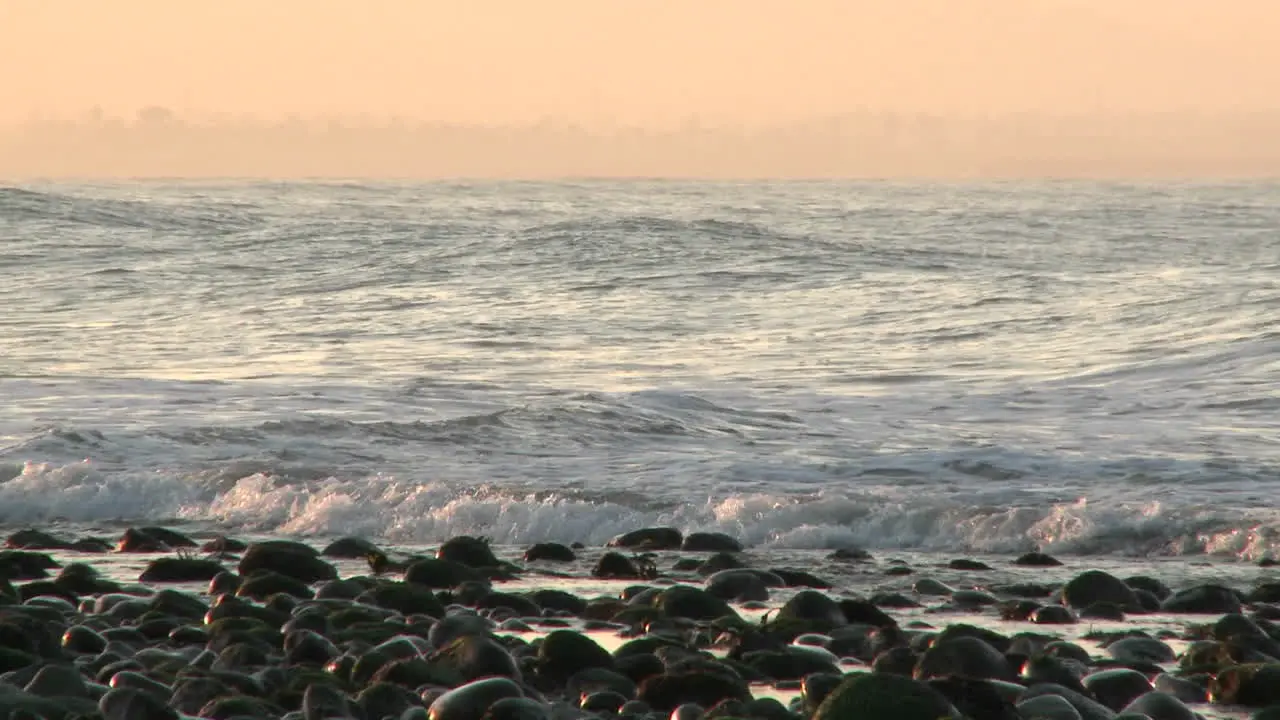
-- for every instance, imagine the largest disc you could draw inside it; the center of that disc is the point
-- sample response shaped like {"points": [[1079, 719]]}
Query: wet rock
{"points": [[238, 707], [223, 545], [1107, 610], [852, 554], [1094, 586], [558, 600], [54, 681], [1181, 688], [967, 564], [321, 702], [1159, 706], [616, 566], [83, 640], [564, 653], [265, 583], [692, 603], [603, 701], [816, 687], [550, 552], [36, 540], [721, 561], [1203, 599], [473, 700], [477, 656], [1116, 688], [439, 573], [386, 700], [1037, 559], [872, 696], [473, 552], [790, 663], [1248, 685], [965, 657], [295, 560], [1052, 615], [133, 704], [801, 578], [224, 583], [595, 679], [978, 698], [710, 542], [350, 548], [813, 609], [453, 626], [26, 565], [406, 598], [512, 708], [1086, 707], [1141, 649], [929, 586], [666, 692], [654, 538], [1048, 707], [82, 579], [1149, 584]]}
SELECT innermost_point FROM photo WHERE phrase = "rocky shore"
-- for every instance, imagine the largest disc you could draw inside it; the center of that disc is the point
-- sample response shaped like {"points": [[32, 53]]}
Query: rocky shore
{"points": [[675, 626]]}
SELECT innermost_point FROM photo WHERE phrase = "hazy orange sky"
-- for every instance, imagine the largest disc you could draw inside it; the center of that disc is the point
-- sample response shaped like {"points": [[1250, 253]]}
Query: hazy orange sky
{"points": [[635, 61]]}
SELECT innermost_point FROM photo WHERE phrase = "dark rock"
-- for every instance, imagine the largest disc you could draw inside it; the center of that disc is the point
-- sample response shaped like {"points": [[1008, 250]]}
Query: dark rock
{"points": [[851, 554], [1141, 649], [320, 702], [790, 663], [550, 551], [559, 600], [710, 542], [1150, 584], [473, 552], [657, 538], [1037, 559], [516, 708], [477, 656], [564, 653], [350, 548], [976, 698], [238, 707], [800, 578], [967, 564], [1203, 599], [1159, 706], [692, 603], [963, 656], [82, 579], [1052, 615], [816, 687], [1181, 688], [224, 583], [291, 559], [36, 540], [596, 679], [1094, 586], [929, 586], [134, 704], [453, 626], [439, 573], [265, 583], [54, 681], [26, 565], [603, 701], [1048, 707], [223, 545], [864, 612], [740, 585], [473, 700], [666, 692], [616, 566], [1249, 685], [404, 597], [1087, 707], [1116, 688], [720, 561], [873, 696], [83, 640], [813, 609], [1105, 611]]}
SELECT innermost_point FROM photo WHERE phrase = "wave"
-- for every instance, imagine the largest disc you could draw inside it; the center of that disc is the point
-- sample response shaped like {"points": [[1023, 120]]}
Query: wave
{"points": [[415, 513], [34, 206]]}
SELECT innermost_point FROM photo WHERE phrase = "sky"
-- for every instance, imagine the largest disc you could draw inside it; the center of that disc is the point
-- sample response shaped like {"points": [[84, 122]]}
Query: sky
{"points": [[651, 63]]}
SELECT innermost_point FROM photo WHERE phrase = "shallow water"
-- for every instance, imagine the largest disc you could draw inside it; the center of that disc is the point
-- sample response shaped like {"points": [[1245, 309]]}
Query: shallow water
{"points": [[963, 368]]}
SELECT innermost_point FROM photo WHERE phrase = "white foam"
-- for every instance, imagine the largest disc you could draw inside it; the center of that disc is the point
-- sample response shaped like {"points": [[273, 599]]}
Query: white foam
{"points": [[419, 513]]}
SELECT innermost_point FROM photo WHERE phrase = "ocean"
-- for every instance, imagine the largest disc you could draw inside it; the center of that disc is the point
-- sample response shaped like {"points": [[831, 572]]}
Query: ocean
{"points": [[1085, 369]]}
